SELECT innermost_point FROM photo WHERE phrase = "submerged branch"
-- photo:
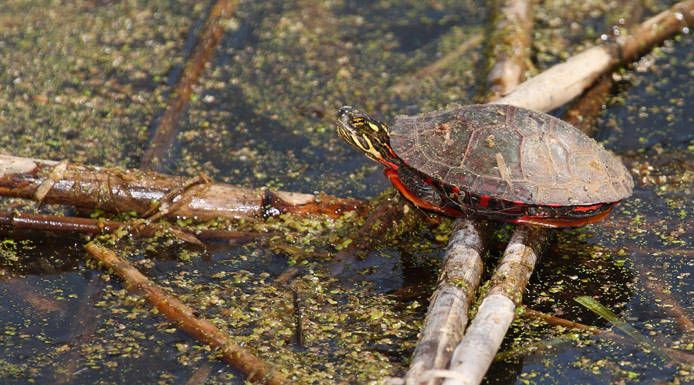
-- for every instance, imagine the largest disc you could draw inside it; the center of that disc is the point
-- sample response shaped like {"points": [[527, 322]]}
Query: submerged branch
{"points": [[157, 155], [252, 368]]}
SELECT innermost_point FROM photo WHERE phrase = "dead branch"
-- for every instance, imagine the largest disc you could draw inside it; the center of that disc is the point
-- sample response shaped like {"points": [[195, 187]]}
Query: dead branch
{"points": [[447, 315], [567, 80], [252, 368], [156, 157], [601, 333], [21, 220], [548, 90], [116, 190], [583, 112], [435, 346], [476, 351], [509, 46]]}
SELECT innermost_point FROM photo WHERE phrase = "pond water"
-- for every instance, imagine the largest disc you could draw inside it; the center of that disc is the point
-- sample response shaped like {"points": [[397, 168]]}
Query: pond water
{"points": [[87, 82]]}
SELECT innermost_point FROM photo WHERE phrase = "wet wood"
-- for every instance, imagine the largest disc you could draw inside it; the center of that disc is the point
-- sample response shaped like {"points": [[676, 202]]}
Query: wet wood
{"points": [[448, 310], [158, 154], [583, 113], [116, 190], [412, 81], [443, 329], [565, 81], [253, 369], [509, 46], [601, 333], [483, 338], [22, 220]]}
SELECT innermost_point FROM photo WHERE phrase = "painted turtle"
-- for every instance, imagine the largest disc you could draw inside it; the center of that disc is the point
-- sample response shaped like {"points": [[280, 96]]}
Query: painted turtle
{"points": [[494, 161]]}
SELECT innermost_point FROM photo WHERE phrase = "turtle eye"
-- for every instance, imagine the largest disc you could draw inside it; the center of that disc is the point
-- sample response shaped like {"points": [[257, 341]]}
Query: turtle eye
{"points": [[357, 121]]}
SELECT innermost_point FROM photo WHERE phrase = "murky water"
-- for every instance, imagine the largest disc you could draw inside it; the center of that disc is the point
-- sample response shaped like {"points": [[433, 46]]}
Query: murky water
{"points": [[84, 81]]}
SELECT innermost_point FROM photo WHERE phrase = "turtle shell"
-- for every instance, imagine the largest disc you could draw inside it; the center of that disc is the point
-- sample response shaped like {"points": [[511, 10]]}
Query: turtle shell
{"points": [[511, 153]]}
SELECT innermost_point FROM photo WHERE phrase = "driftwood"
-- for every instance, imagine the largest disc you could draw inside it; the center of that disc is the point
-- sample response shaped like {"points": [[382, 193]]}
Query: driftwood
{"points": [[440, 333], [560, 84], [252, 368], [116, 190], [158, 154], [583, 112], [476, 351]]}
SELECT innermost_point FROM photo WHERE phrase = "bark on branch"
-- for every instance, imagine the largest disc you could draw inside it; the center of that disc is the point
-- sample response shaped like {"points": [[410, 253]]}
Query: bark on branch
{"points": [[116, 190], [567, 80]]}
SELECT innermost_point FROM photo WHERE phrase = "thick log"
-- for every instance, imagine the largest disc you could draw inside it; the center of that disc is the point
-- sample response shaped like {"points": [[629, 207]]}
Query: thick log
{"points": [[116, 190]]}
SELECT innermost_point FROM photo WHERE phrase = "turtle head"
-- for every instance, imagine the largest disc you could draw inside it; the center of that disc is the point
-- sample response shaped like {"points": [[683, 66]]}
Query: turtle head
{"points": [[366, 135]]}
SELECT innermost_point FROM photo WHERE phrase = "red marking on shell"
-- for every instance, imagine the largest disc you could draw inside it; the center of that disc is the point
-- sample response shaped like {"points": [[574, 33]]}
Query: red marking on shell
{"points": [[579, 209]]}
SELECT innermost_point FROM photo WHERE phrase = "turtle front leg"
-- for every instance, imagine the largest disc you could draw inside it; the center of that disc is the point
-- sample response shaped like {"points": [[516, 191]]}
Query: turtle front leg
{"points": [[419, 190]]}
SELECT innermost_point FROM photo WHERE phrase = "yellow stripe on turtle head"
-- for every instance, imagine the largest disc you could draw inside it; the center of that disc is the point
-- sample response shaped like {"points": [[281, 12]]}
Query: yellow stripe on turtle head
{"points": [[373, 126], [364, 143]]}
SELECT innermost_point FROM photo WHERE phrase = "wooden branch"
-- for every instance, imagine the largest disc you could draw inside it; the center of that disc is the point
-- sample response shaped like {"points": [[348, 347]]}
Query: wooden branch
{"points": [[567, 80], [601, 333], [476, 351], [447, 315], [158, 154], [546, 91], [583, 112], [509, 46], [392, 216], [21, 220], [116, 190], [252, 368]]}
